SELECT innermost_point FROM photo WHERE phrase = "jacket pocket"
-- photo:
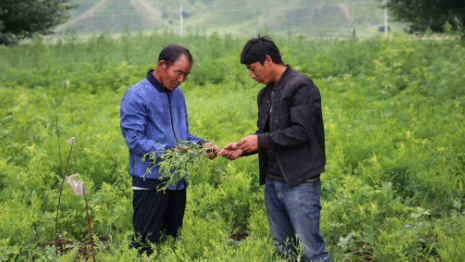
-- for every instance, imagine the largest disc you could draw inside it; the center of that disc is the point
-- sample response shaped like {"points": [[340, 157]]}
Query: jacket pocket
{"points": [[296, 163], [141, 167]]}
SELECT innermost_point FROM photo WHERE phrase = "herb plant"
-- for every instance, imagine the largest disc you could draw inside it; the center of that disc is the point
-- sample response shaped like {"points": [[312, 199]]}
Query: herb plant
{"points": [[174, 164]]}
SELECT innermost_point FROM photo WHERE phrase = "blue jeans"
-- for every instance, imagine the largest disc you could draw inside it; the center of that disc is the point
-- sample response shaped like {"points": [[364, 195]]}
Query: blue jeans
{"points": [[295, 211]]}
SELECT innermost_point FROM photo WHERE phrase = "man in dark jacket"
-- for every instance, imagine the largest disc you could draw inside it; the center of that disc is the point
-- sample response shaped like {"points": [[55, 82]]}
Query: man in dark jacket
{"points": [[291, 148], [154, 118]]}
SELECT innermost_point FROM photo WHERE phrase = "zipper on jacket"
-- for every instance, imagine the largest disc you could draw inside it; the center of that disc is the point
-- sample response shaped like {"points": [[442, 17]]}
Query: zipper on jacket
{"points": [[171, 116], [172, 127], [271, 109]]}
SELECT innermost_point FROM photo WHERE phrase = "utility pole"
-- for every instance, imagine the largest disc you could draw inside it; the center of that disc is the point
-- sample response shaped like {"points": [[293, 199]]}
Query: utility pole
{"points": [[385, 19], [181, 24]]}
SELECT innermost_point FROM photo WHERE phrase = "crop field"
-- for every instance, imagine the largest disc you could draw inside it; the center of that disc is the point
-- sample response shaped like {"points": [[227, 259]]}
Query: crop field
{"points": [[394, 115]]}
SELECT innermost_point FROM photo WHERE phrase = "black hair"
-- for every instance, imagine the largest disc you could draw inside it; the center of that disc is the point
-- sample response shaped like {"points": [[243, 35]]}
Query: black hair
{"points": [[172, 53], [258, 48]]}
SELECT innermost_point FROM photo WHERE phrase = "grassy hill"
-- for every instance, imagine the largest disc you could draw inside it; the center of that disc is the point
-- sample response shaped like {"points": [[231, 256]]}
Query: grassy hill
{"points": [[307, 17]]}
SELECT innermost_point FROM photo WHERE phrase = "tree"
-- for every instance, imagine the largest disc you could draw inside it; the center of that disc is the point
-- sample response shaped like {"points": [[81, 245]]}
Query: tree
{"points": [[422, 14], [22, 18]]}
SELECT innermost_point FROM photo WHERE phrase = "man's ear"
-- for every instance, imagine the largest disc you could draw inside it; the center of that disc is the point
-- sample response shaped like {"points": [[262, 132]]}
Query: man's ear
{"points": [[268, 60], [162, 65]]}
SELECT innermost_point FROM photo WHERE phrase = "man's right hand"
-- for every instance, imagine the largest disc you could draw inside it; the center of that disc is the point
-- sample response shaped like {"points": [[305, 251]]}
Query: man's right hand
{"points": [[230, 151], [181, 149]]}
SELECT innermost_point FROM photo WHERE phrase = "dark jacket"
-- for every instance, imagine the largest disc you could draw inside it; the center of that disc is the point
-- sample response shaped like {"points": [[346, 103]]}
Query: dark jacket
{"points": [[296, 128]]}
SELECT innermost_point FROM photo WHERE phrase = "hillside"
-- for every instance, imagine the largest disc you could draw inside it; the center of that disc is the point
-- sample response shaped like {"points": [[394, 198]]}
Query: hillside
{"points": [[308, 17]]}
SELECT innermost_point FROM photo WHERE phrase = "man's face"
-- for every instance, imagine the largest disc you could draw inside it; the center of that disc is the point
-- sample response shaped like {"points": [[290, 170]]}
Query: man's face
{"points": [[176, 73], [259, 72]]}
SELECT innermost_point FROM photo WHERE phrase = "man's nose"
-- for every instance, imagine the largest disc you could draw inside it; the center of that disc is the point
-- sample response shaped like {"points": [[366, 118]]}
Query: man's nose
{"points": [[182, 78], [252, 75]]}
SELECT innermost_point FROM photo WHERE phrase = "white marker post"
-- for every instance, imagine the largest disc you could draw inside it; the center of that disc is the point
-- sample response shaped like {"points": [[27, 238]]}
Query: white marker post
{"points": [[181, 24], [385, 20]]}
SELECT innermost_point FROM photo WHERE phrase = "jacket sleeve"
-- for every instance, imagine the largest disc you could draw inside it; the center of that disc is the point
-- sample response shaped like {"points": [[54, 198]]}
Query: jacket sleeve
{"points": [[133, 123], [305, 107]]}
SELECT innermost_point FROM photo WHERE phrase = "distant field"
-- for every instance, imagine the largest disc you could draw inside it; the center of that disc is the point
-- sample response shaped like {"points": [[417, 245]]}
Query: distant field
{"points": [[312, 18], [394, 119]]}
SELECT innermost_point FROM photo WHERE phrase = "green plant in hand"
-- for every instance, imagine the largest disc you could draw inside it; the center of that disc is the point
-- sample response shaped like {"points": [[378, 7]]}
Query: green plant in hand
{"points": [[174, 163]]}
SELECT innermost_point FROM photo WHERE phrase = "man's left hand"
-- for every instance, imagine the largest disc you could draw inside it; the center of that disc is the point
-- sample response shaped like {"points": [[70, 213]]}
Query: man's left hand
{"points": [[212, 150], [248, 144]]}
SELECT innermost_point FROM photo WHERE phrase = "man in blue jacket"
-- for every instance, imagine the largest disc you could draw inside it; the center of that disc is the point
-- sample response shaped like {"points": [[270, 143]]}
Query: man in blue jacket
{"points": [[291, 150], [154, 118]]}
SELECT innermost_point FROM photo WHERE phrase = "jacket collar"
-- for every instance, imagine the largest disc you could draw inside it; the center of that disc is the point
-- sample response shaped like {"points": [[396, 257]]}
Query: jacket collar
{"points": [[281, 80], [155, 83]]}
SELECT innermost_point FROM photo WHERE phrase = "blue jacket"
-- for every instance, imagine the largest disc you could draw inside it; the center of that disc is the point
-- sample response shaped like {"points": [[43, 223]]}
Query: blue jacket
{"points": [[153, 119]]}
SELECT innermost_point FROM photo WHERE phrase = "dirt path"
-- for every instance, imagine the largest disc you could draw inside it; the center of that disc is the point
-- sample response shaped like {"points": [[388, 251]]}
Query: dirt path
{"points": [[150, 12], [86, 15], [346, 9]]}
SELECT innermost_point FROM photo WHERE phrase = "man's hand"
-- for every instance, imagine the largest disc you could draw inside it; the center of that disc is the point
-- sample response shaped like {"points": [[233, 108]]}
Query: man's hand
{"points": [[212, 151], [231, 151], [248, 144], [181, 149]]}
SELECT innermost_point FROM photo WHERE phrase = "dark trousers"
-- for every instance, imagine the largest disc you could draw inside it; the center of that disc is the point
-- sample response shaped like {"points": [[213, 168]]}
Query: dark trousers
{"points": [[156, 213]]}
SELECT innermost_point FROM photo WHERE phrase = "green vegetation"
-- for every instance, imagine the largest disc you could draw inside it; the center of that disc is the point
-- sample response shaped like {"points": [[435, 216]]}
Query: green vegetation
{"points": [[175, 164], [395, 135]]}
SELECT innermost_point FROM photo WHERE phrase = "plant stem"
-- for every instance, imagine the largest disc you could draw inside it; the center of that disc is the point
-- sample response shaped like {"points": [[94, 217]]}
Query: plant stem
{"points": [[58, 135], [88, 224], [59, 196], [70, 101], [61, 169]]}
